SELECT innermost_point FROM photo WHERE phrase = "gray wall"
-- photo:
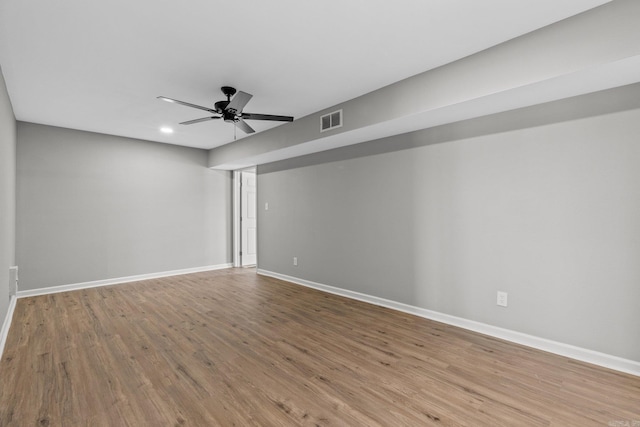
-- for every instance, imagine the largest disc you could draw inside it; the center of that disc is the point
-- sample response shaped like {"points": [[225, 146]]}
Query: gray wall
{"points": [[548, 213], [7, 194], [93, 206]]}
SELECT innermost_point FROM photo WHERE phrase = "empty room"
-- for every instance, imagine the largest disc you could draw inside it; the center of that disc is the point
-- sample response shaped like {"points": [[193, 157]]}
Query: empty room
{"points": [[344, 213]]}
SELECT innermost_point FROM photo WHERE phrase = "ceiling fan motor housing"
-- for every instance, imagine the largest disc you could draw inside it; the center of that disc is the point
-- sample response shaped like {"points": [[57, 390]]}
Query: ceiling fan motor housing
{"points": [[220, 106]]}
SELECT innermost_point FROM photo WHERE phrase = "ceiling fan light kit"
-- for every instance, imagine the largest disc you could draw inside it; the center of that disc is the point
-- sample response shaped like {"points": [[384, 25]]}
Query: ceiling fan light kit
{"points": [[231, 110]]}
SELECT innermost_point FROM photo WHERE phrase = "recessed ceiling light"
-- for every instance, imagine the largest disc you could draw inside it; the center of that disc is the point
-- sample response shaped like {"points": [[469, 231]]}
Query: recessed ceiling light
{"points": [[166, 130]]}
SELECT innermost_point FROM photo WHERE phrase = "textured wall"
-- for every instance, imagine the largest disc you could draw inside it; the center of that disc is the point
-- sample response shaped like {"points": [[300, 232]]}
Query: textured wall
{"points": [[547, 213], [7, 194], [93, 207]]}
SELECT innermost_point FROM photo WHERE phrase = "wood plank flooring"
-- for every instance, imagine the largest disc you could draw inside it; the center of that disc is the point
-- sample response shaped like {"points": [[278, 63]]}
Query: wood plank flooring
{"points": [[230, 348]]}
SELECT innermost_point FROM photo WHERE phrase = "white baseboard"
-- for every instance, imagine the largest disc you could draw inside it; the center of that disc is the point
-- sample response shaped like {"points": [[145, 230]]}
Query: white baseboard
{"points": [[601, 359], [4, 332], [118, 280]]}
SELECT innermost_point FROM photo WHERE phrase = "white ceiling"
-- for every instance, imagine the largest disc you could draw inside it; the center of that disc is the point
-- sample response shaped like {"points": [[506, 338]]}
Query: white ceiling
{"points": [[99, 66]]}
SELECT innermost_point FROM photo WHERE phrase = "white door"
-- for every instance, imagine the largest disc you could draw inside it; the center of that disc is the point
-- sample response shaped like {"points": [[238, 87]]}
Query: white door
{"points": [[248, 221]]}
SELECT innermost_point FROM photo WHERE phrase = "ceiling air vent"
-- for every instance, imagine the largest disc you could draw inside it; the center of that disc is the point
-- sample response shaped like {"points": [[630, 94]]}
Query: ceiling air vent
{"points": [[331, 121]]}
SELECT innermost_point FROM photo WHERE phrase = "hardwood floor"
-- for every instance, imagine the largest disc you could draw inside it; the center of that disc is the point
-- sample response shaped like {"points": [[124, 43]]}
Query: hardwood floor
{"points": [[231, 348]]}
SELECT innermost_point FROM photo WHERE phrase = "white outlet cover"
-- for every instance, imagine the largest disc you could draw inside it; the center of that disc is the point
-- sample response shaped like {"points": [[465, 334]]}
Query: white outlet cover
{"points": [[266, 206], [502, 299]]}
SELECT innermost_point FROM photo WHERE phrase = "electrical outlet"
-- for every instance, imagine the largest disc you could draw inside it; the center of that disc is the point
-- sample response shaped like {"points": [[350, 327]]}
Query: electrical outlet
{"points": [[266, 206], [295, 260], [502, 299]]}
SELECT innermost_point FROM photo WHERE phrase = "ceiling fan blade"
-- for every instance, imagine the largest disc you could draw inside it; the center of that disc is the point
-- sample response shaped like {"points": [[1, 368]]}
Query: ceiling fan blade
{"points": [[204, 119], [186, 104], [238, 102], [255, 116], [243, 126]]}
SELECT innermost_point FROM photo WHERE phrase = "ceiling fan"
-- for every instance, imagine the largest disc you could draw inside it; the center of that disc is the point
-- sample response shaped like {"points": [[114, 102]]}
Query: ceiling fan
{"points": [[230, 110]]}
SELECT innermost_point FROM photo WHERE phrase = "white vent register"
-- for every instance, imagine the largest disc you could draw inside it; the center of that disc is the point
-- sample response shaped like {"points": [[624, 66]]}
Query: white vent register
{"points": [[331, 121]]}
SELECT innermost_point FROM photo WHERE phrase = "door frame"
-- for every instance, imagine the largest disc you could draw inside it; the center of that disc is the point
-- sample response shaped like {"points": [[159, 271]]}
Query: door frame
{"points": [[237, 212]]}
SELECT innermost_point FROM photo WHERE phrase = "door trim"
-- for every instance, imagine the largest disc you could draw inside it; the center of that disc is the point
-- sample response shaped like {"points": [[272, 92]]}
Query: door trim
{"points": [[237, 177], [237, 212]]}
